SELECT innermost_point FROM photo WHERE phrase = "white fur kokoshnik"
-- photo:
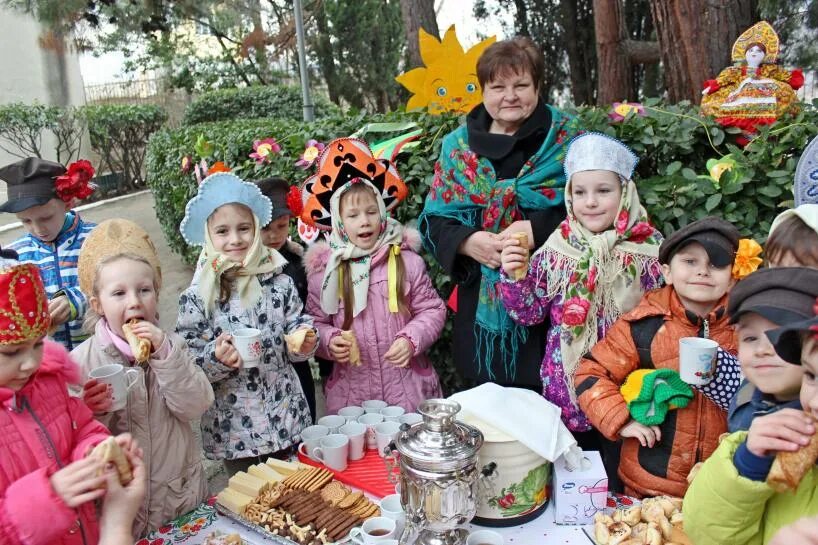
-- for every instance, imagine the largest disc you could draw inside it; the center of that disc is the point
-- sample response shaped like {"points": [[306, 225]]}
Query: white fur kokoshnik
{"points": [[597, 151], [217, 190], [805, 186]]}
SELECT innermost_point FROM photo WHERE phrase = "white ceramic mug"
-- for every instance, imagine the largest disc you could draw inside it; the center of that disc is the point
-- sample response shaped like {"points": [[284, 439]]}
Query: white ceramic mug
{"points": [[333, 451], [391, 508], [248, 343], [385, 432], [120, 379], [357, 439], [374, 405], [696, 359], [392, 413], [410, 418], [311, 437], [484, 537], [370, 420], [374, 530], [351, 413], [333, 422]]}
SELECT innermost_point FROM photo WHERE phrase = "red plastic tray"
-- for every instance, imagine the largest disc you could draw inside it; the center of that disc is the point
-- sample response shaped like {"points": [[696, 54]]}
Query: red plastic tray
{"points": [[368, 474]]}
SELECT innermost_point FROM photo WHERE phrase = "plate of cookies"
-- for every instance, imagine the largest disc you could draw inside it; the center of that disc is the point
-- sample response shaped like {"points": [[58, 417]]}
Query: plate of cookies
{"points": [[306, 505]]}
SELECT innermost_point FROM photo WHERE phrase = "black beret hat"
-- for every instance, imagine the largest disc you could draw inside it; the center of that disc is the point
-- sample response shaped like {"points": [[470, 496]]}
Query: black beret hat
{"points": [[787, 339], [276, 189], [30, 183], [782, 295], [719, 238]]}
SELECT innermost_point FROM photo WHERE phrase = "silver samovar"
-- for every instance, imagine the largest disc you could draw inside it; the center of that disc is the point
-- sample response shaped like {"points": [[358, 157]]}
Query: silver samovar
{"points": [[439, 477]]}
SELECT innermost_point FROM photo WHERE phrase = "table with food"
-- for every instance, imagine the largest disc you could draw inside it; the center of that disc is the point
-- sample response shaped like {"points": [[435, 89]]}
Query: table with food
{"points": [[452, 473]]}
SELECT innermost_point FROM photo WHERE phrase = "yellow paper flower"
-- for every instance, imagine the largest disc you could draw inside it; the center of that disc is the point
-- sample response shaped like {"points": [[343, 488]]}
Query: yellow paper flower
{"points": [[747, 260]]}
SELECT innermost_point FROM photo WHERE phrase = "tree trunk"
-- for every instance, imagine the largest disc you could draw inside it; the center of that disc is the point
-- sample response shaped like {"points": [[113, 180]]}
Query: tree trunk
{"points": [[417, 14], [576, 16], [613, 65], [696, 37]]}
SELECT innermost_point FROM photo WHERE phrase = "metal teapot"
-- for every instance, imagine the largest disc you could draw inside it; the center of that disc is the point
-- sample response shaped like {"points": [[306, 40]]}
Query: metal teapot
{"points": [[439, 478]]}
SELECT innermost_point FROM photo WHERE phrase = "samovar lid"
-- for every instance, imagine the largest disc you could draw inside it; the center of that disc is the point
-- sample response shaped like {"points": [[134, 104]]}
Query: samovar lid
{"points": [[439, 442]]}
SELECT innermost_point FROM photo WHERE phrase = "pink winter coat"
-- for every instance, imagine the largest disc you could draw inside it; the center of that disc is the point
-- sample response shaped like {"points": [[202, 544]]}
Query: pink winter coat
{"points": [[376, 329], [42, 429]]}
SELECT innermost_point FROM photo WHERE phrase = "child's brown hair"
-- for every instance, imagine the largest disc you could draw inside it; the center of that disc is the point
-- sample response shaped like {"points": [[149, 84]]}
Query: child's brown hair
{"points": [[792, 239]]}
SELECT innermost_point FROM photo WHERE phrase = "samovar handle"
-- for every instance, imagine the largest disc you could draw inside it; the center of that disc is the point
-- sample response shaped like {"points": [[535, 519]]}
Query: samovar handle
{"points": [[487, 482], [391, 462]]}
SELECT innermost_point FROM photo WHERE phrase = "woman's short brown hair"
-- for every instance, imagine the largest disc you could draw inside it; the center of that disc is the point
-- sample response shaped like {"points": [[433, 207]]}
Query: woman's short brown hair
{"points": [[519, 55], [793, 238]]}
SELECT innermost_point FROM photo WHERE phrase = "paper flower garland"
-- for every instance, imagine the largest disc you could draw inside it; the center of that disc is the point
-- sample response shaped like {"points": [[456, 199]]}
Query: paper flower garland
{"points": [[75, 183], [263, 150], [747, 260], [312, 149]]}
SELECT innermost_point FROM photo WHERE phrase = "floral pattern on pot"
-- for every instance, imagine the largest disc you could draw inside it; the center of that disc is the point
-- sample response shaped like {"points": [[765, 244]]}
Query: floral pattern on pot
{"points": [[525, 496]]}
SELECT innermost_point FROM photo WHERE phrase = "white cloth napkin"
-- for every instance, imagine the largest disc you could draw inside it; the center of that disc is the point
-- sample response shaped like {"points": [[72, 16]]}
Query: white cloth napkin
{"points": [[524, 415]]}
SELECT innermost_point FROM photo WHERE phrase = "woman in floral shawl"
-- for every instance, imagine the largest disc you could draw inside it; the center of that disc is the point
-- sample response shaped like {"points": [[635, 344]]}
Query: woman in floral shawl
{"points": [[592, 269], [500, 173]]}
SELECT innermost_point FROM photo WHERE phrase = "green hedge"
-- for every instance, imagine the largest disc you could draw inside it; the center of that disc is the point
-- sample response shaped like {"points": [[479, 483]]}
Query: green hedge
{"points": [[119, 134], [272, 101], [671, 141]]}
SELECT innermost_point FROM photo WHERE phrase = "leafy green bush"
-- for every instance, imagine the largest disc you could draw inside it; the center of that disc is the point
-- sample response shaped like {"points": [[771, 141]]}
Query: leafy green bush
{"points": [[671, 141], [271, 101], [119, 134], [22, 127]]}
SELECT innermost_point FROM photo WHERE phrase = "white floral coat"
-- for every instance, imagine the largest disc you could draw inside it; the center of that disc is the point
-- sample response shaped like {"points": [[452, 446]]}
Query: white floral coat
{"points": [[259, 410]]}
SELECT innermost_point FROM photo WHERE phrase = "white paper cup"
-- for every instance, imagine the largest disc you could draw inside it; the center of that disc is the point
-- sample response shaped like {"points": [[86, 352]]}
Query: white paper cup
{"points": [[120, 379], [392, 413], [370, 420], [311, 437], [374, 405], [351, 413], [248, 342], [333, 451], [385, 432], [391, 508], [410, 418], [374, 530], [484, 537], [357, 439], [333, 422], [696, 359]]}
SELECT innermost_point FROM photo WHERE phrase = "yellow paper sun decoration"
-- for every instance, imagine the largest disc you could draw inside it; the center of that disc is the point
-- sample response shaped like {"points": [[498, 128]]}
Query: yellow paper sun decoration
{"points": [[448, 82], [747, 260]]}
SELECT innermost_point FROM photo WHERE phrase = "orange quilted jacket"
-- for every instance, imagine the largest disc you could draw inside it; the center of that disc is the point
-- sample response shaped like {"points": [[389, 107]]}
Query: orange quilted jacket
{"points": [[689, 435]]}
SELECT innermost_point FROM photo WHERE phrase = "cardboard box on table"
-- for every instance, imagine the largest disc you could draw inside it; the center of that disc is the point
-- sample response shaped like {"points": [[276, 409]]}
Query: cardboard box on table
{"points": [[581, 493]]}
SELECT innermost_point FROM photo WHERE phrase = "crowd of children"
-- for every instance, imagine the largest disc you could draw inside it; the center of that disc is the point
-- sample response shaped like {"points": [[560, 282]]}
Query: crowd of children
{"points": [[618, 295]]}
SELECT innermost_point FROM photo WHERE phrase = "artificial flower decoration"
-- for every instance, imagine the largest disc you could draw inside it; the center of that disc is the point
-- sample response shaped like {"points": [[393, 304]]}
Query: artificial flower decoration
{"points": [[200, 171], [218, 166], [263, 150], [187, 164], [294, 202], [312, 149], [75, 183], [448, 81], [747, 260], [723, 171], [620, 110], [203, 148]]}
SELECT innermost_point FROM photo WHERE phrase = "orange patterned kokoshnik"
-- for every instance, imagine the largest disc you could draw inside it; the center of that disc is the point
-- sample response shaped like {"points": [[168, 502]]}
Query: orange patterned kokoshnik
{"points": [[23, 304]]}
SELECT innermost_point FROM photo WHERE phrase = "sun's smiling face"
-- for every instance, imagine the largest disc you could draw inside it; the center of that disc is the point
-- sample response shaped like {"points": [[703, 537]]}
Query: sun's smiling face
{"points": [[448, 82]]}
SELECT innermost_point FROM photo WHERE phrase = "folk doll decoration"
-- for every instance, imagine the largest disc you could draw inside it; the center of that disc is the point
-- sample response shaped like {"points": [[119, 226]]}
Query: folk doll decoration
{"points": [[448, 81], [755, 90]]}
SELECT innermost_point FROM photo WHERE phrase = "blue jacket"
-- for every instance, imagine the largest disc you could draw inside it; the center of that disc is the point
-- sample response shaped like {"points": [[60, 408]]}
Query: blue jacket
{"points": [[57, 262], [750, 402]]}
